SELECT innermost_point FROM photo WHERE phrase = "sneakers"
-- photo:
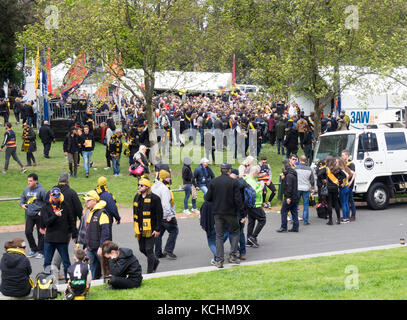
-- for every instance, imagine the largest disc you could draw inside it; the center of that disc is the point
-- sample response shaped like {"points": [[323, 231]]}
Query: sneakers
{"points": [[107, 168], [23, 170], [39, 256], [219, 264], [352, 218], [161, 255], [3, 171], [242, 257], [170, 255], [195, 211], [253, 241], [31, 254], [233, 259], [213, 262], [187, 212]]}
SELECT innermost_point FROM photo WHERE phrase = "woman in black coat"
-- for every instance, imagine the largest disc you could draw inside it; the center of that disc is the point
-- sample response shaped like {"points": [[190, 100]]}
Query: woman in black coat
{"points": [[122, 266], [15, 270]]}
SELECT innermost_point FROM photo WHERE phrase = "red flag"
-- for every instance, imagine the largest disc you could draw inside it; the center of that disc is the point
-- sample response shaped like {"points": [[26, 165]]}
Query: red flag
{"points": [[49, 83]]}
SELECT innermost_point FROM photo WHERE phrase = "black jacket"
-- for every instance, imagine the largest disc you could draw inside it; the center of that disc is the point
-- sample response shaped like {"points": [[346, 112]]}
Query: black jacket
{"points": [[71, 143], [85, 137], [126, 265], [46, 134], [291, 139], [71, 198], [206, 219], [224, 193], [187, 175], [291, 185], [15, 272], [58, 228], [331, 186]]}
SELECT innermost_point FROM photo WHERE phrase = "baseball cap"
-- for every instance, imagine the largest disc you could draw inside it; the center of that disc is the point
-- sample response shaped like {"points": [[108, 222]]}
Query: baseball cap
{"points": [[55, 192], [226, 166], [91, 195], [235, 171]]}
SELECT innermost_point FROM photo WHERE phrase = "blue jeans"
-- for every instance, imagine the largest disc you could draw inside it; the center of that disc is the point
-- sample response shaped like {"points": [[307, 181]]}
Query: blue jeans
{"points": [[211, 236], [305, 202], [280, 143], [344, 199], [204, 189], [116, 165], [95, 267], [172, 228], [86, 160], [187, 189], [49, 250]]}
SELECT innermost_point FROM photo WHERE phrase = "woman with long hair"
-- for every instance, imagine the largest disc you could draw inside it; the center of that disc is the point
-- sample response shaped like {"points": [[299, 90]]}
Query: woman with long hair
{"points": [[332, 176], [344, 190]]}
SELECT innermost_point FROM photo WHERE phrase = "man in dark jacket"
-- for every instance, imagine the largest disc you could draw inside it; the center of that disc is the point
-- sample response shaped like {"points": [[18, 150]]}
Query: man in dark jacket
{"points": [[124, 267], [226, 199], [291, 140], [280, 134], [148, 214], [203, 176], [47, 136], [59, 222], [290, 190], [71, 150]]}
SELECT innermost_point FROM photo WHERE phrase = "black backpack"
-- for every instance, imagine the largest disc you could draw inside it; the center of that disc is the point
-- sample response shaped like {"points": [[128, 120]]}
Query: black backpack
{"points": [[45, 287]]}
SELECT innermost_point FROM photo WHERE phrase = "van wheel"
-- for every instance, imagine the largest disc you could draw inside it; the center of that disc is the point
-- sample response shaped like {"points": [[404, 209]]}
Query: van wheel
{"points": [[378, 196]]}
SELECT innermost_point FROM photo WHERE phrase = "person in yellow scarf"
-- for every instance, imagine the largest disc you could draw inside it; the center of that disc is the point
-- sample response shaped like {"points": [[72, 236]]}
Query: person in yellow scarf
{"points": [[15, 270], [169, 223], [147, 214]]}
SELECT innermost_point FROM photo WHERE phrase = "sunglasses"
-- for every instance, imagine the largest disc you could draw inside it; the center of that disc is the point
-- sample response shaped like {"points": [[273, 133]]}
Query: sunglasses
{"points": [[141, 185]]}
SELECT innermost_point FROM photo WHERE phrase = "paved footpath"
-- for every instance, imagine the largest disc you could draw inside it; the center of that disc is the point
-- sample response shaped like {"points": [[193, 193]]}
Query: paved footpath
{"points": [[371, 229]]}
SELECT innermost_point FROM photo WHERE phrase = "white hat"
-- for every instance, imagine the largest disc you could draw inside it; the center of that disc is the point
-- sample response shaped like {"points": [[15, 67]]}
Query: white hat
{"points": [[204, 160]]}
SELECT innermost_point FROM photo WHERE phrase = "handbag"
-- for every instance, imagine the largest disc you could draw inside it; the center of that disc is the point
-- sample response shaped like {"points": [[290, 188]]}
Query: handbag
{"points": [[136, 171], [324, 190]]}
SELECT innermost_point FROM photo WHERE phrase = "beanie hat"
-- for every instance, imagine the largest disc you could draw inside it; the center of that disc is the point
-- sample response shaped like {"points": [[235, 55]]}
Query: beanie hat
{"points": [[163, 174], [102, 181]]}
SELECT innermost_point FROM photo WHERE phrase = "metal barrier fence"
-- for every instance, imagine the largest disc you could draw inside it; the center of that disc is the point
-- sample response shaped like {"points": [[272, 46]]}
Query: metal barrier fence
{"points": [[279, 193]]}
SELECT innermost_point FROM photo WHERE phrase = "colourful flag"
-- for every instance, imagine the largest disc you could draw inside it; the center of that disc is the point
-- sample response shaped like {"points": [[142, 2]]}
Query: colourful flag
{"points": [[49, 83], [44, 86], [75, 75]]}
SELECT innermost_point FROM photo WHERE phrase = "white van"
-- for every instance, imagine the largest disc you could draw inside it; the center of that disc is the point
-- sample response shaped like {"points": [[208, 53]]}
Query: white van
{"points": [[380, 158]]}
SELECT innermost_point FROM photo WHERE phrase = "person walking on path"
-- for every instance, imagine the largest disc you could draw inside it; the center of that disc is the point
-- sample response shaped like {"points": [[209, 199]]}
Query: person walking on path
{"points": [[345, 157], [189, 188], [72, 199], [290, 191], [147, 215], [10, 143], [59, 222], [305, 178], [256, 213], [47, 137], [169, 222], [32, 200], [95, 226], [225, 196]]}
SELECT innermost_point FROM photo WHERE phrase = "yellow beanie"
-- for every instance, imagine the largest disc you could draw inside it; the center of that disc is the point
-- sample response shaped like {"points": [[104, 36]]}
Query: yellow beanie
{"points": [[145, 182], [102, 181], [163, 174]]}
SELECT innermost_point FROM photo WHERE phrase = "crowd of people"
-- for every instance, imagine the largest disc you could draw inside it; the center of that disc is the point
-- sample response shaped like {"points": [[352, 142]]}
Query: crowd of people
{"points": [[237, 196]]}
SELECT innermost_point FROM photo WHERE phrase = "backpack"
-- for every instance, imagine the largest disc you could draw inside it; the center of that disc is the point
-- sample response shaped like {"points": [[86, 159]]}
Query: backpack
{"points": [[322, 209], [45, 287], [249, 196]]}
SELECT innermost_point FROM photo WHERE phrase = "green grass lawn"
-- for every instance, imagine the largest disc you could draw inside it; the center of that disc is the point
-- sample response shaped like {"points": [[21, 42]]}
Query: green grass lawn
{"points": [[123, 187], [381, 274]]}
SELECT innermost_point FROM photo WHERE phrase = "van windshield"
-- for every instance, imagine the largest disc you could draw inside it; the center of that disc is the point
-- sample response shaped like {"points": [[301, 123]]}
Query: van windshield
{"points": [[333, 145]]}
